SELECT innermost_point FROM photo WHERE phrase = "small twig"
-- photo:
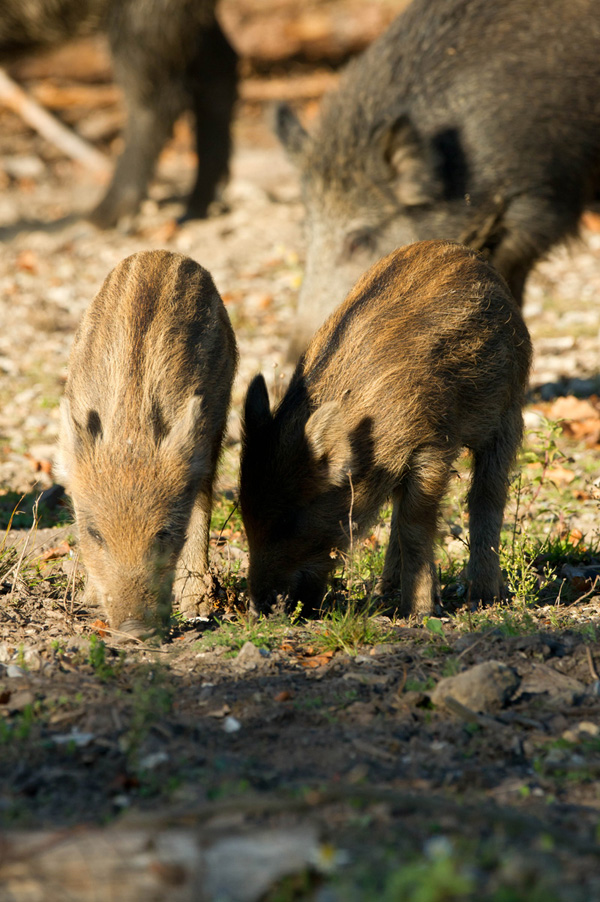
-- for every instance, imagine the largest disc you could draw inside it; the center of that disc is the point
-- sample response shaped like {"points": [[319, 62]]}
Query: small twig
{"points": [[587, 594], [17, 100], [591, 662], [228, 518], [19, 563], [71, 585], [400, 688]]}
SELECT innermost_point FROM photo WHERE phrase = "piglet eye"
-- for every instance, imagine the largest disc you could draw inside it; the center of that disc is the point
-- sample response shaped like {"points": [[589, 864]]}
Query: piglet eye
{"points": [[359, 241], [167, 537], [95, 535]]}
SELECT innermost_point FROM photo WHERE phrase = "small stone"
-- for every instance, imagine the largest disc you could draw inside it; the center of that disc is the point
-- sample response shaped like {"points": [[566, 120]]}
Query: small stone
{"points": [[231, 724], [75, 737], [482, 688], [558, 689], [20, 700], [153, 760], [533, 419], [249, 657], [13, 670]]}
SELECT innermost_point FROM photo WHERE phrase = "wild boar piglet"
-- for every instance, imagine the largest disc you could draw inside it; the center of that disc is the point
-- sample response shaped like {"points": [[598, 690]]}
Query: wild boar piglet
{"points": [[143, 418], [428, 354]]}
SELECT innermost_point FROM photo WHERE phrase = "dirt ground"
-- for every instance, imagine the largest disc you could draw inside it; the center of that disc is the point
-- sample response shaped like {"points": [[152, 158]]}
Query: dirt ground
{"points": [[409, 792]]}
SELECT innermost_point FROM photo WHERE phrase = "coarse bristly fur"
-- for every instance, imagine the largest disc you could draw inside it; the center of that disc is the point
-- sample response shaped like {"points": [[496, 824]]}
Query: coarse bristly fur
{"points": [[428, 354], [143, 418], [169, 56], [468, 120]]}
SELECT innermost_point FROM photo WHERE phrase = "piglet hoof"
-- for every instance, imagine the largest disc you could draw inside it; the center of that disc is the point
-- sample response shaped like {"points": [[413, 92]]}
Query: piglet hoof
{"points": [[197, 596]]}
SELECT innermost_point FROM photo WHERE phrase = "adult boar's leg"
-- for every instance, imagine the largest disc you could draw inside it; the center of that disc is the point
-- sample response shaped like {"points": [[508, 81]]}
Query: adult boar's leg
{"points": [[146, 132], [213, 88]]}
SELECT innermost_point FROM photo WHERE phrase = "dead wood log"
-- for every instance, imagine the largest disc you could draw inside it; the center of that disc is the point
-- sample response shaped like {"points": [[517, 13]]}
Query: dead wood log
{"points": [[17, 100]]}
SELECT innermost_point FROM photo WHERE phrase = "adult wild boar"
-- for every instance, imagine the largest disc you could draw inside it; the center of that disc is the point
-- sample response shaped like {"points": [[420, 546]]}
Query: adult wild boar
{"points": [[428, 353], [143, 417], [168, 56], [468, 120]]}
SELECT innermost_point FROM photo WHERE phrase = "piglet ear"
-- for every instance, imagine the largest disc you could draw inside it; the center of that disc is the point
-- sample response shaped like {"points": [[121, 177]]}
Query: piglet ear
{"points": [[329, 442], [75, 437], [257, 410], [185, 438]]}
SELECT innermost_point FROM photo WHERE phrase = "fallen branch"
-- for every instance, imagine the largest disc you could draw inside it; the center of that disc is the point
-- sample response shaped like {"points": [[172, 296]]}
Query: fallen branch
{"points": [[17, 100]]}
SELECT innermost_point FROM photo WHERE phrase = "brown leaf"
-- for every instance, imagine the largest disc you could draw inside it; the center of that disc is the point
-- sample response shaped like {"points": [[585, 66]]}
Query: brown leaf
{"points": [[27, 260], [100, 628], [560, 475], [317, 660], [572, 408], [283, 696], [58, 551], [39, 465]]}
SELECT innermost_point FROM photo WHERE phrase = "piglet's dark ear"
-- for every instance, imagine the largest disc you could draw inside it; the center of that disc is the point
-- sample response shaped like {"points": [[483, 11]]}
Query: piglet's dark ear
{"points": [[257, 411]]}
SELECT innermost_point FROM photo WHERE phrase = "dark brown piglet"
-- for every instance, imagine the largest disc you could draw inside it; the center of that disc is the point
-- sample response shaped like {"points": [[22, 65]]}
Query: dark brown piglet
{"points": [[428, 354]]}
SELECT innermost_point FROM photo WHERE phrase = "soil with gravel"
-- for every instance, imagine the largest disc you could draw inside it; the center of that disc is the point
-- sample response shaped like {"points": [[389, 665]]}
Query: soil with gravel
{"points": [[349, 740]]}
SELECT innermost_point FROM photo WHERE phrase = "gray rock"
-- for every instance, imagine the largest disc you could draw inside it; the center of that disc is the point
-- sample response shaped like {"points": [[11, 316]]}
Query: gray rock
{"points": [[485, 687], [557, 689], [250, 657], [13, 670]]}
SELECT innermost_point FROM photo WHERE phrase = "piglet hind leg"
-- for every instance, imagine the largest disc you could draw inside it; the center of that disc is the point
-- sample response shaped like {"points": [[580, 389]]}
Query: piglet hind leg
{"points": [[409, 562], [195, 587], [487, 499]]}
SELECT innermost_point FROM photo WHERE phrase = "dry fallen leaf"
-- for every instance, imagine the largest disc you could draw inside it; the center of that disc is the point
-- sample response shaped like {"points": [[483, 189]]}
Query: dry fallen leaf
{"points": [[572, 408], [560, 475], [100, 628], [283, 696], [27, 260], [317, 660], [58, 551]]}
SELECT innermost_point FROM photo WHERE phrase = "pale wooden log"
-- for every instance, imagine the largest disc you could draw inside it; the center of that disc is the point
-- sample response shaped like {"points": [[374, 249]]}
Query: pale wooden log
{"points": [[297, 87], [17, 100]]}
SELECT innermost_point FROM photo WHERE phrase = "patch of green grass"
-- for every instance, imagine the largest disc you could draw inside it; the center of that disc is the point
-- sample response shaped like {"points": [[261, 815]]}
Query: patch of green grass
{"points": [[151, 699], [349, 628], [419, 685], [435, 878], [265, 632], [19, 726], [98, 661]]}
